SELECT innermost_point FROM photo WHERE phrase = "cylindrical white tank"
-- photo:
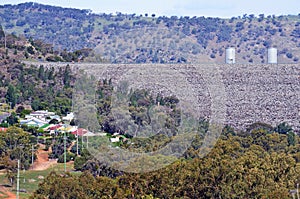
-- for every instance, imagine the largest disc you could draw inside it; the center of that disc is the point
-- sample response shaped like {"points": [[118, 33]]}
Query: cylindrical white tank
{"points": [[230, 55], [272, 55]]}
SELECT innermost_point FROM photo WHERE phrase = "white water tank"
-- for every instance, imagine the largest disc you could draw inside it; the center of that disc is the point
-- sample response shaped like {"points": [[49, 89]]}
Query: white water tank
{"points": [[230, 55], [272, 56]]}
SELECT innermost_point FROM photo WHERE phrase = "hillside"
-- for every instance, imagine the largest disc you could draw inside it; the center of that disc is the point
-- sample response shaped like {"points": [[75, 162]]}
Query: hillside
{"points": [[25, 85], [129, 38], [45, 59]]}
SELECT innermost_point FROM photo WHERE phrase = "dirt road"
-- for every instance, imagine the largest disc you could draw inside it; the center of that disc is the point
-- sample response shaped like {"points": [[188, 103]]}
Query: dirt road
{"points": [[7, 193], [42, 162]]}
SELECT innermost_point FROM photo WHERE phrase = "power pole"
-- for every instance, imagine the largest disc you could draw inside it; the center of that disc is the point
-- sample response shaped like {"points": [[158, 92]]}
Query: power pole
{"points": [[18, 180], [77, 142], [4, 40], [81, 141], [65, 154], [32, 154], [87, 142], [297, 191]]}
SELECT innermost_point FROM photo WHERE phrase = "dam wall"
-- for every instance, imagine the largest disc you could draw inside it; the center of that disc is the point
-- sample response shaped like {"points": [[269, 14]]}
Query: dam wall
{"points": [[246, 93]]}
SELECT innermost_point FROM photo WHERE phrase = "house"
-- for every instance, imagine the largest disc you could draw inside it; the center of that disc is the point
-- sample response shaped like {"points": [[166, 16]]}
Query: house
{"points": [[116, 139], [55, 117], [54, 128], [44, 115], [45, 127], [33, 122], [80, 132], [3, 129], [69, 117], [3, 117], [71, 129]]}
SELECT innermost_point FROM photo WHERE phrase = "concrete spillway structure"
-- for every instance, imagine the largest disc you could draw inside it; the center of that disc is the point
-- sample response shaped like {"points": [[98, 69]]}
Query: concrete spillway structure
{"points": [[272, 56], [230, 56]]}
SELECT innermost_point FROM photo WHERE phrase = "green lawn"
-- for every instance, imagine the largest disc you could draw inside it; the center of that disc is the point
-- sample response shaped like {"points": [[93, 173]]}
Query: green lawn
{"points": [[29, 180]]}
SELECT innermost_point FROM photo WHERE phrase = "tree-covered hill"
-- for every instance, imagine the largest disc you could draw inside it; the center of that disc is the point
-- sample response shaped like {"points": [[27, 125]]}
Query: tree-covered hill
{"points": [[260, 164], [22, 84], [147, 38]]}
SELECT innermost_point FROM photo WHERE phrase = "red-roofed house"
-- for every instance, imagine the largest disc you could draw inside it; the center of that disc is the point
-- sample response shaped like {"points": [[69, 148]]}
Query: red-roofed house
{"points": [[79, 132], [52, 128], [3, 129]]}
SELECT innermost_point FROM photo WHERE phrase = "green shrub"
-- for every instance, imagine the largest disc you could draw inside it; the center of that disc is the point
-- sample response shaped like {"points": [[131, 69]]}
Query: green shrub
{"points": [[69, 157]]}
